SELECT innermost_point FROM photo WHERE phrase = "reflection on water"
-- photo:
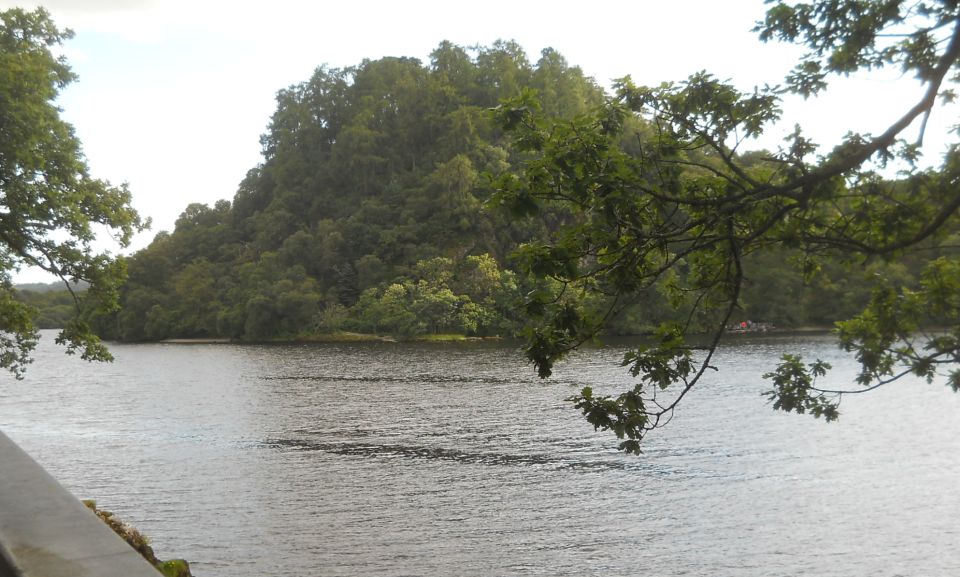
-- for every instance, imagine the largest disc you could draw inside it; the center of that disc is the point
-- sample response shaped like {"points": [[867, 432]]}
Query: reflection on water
{"points": [[454, 459], [464, 457]]}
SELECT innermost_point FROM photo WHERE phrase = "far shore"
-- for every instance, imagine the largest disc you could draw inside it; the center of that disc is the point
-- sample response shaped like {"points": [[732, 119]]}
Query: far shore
{"points": [[338, 337], [194, 341], [350, 337]]}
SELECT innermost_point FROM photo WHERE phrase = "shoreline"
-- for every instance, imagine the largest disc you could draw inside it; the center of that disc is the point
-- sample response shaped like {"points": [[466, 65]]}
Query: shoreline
{"points": [[348, 337], [339, 337]]}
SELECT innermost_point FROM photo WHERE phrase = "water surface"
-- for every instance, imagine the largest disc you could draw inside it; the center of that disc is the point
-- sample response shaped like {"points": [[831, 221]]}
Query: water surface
{"points": [[453, 459]]}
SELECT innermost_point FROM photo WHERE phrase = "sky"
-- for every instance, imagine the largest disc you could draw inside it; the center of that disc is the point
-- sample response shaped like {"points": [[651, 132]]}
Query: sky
{"points": [[173, 95]]}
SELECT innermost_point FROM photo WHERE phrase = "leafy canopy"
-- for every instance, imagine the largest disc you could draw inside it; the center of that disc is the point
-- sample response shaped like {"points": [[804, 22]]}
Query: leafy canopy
{"points": [[368, 172], [662, 200], [50, 207]]}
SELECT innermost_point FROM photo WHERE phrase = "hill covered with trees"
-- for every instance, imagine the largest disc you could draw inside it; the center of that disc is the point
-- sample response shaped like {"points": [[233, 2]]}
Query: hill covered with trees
{"points": [[372, 212], [369, 198]]}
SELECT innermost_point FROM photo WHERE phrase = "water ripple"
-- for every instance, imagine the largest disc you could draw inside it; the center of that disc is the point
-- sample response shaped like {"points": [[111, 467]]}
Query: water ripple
{"points": [[418, 379], [357, 460], [410, 451]]}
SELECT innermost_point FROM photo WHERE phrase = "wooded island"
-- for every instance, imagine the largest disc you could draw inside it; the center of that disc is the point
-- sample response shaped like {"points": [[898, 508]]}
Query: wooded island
{"points": [[372, 212]]}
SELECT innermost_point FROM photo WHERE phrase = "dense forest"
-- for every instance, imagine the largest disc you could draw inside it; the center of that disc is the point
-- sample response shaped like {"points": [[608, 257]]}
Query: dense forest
{"points": [[54, 305], [372, 211]]}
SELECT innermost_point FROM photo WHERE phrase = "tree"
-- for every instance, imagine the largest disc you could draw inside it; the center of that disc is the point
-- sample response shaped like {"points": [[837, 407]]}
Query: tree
{"points": [[366, 171], [49, 204], [680, 212]]}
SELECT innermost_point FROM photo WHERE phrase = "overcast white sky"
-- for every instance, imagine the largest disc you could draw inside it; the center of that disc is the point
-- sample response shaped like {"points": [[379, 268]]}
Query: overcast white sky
{"points": [[174, 94]]}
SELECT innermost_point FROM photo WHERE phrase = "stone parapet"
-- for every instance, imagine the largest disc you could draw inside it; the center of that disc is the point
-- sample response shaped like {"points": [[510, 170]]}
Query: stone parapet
{"points": [[47, 532]]}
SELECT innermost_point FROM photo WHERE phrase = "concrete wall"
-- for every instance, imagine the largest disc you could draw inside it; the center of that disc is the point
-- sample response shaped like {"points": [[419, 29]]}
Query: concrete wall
{"points": [[46, 532]]}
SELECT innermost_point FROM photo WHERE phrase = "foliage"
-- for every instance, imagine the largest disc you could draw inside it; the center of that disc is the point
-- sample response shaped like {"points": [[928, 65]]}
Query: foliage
{"points": [[50, 207], [54, 308], [662, 201], [372, 212], [429, 305], [369, 174]]}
